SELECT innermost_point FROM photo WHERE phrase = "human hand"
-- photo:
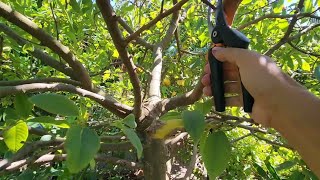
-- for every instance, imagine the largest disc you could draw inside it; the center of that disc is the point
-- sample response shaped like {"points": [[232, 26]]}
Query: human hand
{"points": [[259, 74]]}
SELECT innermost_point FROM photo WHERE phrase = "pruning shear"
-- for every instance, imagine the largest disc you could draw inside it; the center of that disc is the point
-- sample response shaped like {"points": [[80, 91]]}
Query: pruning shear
{"points": [[224, 36]]}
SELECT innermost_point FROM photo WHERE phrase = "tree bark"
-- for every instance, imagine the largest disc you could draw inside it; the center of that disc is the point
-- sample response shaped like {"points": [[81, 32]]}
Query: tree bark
{"points": [[155, 159]]}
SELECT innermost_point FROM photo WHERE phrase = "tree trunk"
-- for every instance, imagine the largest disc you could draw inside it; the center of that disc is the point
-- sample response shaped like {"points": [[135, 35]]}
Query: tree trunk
{"points": [[155, 159]]}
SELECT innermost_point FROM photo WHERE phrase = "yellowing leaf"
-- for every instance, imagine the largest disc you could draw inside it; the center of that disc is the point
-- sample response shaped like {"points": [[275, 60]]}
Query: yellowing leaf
{"points": [[181, 82], [166, 82], [106, 75], [115, 54], [167, 128], [159, 25], [173, 93], [16, 136], [306, 66]]}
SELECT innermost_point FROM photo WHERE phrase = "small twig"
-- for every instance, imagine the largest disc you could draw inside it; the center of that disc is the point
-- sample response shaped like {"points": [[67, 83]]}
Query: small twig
{"points": [[272, 142], [176, 139], [1, 45], [194, 53], [192, 162], [155, 20], [240, 138], [209, 4], [274, 16], [55, 20], [303, 51], [284, 39], [162, 4]]}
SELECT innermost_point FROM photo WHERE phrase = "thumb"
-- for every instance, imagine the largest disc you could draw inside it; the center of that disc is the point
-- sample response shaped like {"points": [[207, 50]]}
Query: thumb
{"points": [[226, 54]]}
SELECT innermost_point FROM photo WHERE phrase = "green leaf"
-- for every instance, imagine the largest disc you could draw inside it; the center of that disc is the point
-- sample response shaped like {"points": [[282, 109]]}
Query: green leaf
{"points": [[296, 175], [74, 4], [194, 124], [50, 120], [22, 105], [308, 6], [204, 107], [81, 145], [260, 171], [216, 153], [56, 104], [286, 165], [130, 121], [10, 115], [317, 72], [271, 170], [134, 139], [16, 136]]}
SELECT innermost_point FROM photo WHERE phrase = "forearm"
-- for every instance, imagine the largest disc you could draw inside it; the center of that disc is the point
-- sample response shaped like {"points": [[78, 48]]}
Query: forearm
{"points": [[296, 116]]}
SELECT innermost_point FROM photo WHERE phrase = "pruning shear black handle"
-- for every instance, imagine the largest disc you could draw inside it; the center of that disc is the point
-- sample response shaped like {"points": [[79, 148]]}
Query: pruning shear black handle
{"points": [[222, 34]]}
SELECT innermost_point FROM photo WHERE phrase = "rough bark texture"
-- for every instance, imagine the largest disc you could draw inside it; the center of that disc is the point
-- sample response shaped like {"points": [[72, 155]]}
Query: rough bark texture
{"points": [[155, 159]]}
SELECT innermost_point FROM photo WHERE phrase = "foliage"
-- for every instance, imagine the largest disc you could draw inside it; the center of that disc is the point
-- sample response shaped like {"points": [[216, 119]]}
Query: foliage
{"points": [[50, 114]]}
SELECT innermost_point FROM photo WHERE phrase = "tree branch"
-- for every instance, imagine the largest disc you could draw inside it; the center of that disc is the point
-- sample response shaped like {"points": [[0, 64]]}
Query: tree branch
{"points": [[298, 35], [47, 158], [272, 142], [172, 28], [183, 100], [115, 107], [192, 162], [44, 57], [155, 20], [29, 26], [273, 16], [139, 40], [39, 80], [283, 40], [112, 25], [154, 88], [303, 51]]}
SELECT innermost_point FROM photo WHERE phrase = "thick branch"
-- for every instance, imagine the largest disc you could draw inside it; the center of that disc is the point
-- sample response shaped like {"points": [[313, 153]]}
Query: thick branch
{"points": [[44, 57], [47, 158], [29, 26], [155, 20], [172, 28], [112, 25], [115, 107], [39, 80], [283, 40], [154, 88], [183, 100]]}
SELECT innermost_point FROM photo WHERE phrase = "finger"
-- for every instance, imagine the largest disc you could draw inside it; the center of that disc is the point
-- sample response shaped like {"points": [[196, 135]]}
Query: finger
{"points": [[227, 66], [231, 76], [207, 68], [234, 101], [206, 80], [207, 91], [232, 87]]}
